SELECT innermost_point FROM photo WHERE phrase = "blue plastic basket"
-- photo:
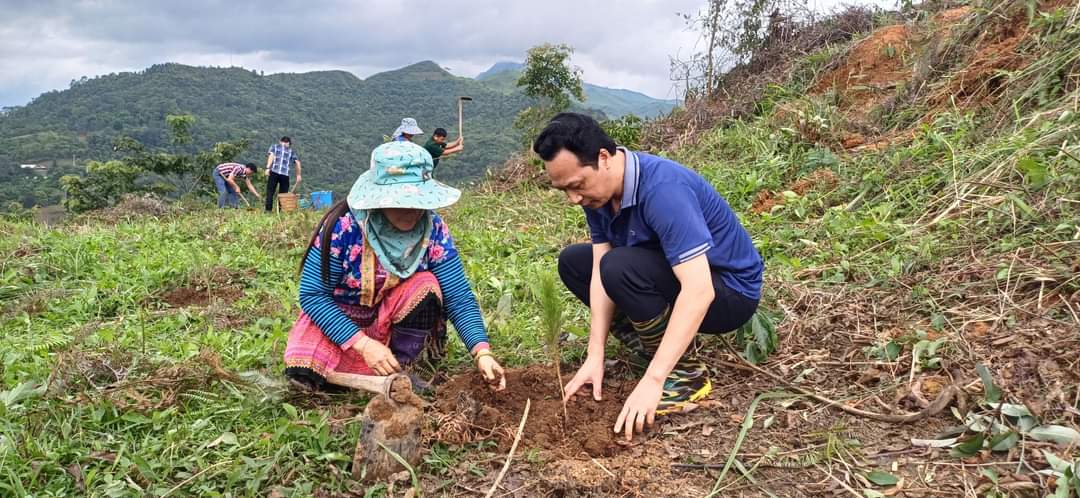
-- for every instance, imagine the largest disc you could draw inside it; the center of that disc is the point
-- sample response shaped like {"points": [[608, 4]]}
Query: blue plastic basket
{"points": [[322, 199]]}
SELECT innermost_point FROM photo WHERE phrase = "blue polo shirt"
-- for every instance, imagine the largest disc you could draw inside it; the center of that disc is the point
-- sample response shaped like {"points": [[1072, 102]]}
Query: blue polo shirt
{"points": [[669, 208]]}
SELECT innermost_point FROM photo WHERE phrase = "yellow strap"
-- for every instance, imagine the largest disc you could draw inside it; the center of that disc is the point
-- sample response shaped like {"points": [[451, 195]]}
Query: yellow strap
{"points": [[482, 352]]}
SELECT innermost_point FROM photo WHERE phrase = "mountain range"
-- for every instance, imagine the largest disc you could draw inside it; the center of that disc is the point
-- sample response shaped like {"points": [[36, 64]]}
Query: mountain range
{"points": [[334, 118]]}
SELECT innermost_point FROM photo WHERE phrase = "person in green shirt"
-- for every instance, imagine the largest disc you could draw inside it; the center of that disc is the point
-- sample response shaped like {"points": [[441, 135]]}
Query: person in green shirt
{"points": [[438, 147]]}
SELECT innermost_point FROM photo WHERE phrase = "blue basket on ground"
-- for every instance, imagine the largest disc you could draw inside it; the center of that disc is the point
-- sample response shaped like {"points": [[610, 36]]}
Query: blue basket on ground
{"points": [[322, 200]]}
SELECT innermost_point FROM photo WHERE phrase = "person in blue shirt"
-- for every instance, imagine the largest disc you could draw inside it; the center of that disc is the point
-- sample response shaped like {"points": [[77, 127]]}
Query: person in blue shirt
{"points": [[668, 260]]}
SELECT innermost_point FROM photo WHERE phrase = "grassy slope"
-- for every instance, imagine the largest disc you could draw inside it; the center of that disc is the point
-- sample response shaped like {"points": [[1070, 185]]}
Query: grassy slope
{"points": [[85, 296], [90, 295]]}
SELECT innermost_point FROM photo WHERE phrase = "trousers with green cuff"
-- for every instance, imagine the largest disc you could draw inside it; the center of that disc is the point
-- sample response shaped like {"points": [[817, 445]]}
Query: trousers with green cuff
{"points": [[643, 287]]}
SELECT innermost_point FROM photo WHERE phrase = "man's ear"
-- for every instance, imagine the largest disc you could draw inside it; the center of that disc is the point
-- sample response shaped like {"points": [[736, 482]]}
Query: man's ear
{"points": [[603, 157]]}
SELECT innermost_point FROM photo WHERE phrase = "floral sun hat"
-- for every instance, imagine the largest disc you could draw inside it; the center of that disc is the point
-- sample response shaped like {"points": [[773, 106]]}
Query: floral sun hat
{"points": [[400, 177]]}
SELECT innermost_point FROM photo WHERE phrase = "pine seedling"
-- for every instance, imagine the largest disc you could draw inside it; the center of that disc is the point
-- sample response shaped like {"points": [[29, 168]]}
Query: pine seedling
{"points": [[551, 318]]}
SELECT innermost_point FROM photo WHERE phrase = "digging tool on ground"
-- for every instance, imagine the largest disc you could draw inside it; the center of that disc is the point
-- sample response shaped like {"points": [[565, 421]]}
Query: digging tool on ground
{"points": [[391, 422], [460, 114]]}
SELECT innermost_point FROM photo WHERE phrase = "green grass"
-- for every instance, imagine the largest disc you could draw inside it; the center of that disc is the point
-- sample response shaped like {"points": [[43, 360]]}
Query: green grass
{"points": [[93, 290], [81, 306]]}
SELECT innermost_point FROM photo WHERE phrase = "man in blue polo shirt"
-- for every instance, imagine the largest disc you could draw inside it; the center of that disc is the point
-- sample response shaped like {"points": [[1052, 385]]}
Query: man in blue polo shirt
{"points": [[671, 257]]}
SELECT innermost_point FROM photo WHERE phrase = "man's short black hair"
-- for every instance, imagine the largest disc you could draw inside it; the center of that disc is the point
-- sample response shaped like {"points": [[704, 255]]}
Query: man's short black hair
{"points": [[439, 132], [286, 140], [251, 166], [577, 133]]}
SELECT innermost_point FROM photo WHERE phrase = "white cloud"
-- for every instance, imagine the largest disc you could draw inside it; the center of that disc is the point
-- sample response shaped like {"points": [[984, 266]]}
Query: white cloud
{"points": [[44, 45]]}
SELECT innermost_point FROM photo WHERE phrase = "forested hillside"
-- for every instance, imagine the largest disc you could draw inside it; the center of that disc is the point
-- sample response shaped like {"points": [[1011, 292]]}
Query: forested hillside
{"points": [[334, 118]]}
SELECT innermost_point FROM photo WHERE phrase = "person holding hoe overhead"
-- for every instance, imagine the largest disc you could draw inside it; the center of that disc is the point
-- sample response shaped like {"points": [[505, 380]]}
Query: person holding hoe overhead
{"points": [[668, 260], [279, 159], [439, 148], [381, 276]]}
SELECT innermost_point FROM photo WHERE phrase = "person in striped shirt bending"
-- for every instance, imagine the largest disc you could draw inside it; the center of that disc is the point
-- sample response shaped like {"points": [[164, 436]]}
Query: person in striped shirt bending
{"points": [[381, 276], [225, 176]]}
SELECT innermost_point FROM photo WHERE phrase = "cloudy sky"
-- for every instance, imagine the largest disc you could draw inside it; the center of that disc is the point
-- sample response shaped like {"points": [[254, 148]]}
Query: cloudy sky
{"points": [[44, 44]]}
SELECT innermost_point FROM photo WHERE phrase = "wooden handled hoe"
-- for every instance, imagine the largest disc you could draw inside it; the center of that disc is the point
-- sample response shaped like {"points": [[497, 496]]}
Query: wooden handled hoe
{"points": [[460, 114]]}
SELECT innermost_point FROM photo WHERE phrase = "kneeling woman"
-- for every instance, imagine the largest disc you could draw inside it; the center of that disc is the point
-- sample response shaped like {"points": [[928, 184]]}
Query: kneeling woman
{"points": [[380, 275]]}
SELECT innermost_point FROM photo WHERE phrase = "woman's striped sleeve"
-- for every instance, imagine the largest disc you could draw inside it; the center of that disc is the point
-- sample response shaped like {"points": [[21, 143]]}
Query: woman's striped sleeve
{"points": [[317, 299], [460, 302]]}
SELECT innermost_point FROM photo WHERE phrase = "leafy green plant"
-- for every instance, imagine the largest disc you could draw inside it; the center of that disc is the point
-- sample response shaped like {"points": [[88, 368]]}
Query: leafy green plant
{"points": [[995, 490], [886, 351], [625, 131], [925, 352], [549, 78], [757, 337], [1067, 474], [105, 183]]}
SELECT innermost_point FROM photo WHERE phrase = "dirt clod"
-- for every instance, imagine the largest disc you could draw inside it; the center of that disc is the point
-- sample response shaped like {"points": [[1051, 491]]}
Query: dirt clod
{"points": [[401, 392]]}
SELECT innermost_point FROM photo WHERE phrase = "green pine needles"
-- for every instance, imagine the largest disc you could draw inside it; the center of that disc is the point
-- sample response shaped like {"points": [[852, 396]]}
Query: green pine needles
{"points": [[551, 318]]}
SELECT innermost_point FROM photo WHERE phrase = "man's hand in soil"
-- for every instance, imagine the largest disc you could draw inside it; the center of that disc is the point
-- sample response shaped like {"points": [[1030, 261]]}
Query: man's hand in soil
{"points": [[377, 356], [640, 408], [489, 368], [591, 372]]}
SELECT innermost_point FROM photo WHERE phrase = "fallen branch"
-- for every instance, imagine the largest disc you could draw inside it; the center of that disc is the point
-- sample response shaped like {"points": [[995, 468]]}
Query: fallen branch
{"points": [[510, 455], [943, 400], [598, 464]]}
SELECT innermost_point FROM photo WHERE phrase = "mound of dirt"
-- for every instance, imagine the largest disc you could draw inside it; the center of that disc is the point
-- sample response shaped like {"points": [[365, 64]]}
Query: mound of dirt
{"points": [[214, 284], [871, 70], [950, 17], [982, 80], [467, 410], [132, 207]]}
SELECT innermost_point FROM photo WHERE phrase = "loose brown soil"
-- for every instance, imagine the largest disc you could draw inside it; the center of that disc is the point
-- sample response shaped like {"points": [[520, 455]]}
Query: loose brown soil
{"points": [[871, 70], [468, 410], [215, 284]]}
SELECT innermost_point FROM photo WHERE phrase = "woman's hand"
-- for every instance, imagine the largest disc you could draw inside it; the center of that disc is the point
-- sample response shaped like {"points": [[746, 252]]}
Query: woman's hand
{"points": [[591, 372], [640, 408], [489, 368], [377, 356]]}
